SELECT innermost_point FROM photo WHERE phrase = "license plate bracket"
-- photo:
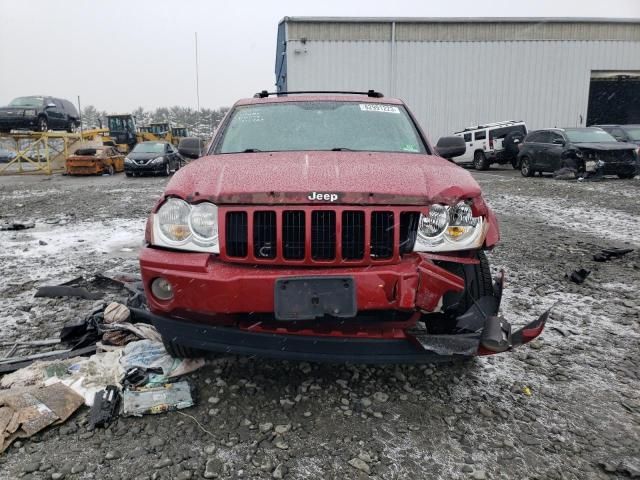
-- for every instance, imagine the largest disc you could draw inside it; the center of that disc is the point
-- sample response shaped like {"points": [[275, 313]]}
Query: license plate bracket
{"points": [[308, 298]]}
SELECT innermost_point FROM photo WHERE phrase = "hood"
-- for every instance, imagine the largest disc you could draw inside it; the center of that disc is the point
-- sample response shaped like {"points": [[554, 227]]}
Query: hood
{"points": [[323, 178], [15, 110], [143, 155], [607, 146]]}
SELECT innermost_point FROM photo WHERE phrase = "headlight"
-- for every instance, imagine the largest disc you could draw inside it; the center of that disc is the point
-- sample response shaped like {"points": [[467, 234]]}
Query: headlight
{"points": [[29, 113], [157, 160], [203, 222], [446, 228], [183, 226], [173, 219]]}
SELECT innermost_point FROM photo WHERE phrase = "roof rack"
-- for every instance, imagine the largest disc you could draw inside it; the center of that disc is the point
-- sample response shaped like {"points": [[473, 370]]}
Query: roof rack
{"points": [[369, 93], [489, 125]]}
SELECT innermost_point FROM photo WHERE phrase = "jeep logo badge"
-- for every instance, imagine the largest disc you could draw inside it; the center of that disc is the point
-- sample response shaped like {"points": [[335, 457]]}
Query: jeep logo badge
{"points": [[326, 197]]}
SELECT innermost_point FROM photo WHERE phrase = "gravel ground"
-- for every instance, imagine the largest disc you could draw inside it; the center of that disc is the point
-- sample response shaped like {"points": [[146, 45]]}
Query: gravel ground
{"points": [[566, 406]]}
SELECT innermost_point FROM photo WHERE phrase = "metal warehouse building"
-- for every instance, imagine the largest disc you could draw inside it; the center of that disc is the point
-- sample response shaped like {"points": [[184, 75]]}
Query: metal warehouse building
{"points": [[457, 72]]}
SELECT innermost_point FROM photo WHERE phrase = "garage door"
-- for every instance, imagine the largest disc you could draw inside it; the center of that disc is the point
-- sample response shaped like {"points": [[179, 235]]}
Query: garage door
{"points": [[614, 98]]}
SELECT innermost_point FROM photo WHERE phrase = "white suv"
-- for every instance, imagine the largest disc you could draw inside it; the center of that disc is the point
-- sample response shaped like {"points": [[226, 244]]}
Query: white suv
{"points": [[492, 143]]}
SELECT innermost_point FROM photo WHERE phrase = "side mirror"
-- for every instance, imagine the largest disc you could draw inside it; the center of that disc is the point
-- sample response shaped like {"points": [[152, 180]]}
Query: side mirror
{"points": [[449, 147], [191, 147], [558, 141]]}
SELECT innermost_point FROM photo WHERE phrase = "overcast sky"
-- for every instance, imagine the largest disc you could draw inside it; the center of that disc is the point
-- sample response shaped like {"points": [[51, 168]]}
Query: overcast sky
{"points": [[120, 54]]}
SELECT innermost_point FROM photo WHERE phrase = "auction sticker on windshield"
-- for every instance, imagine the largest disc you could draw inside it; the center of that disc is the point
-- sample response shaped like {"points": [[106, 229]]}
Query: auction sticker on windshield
{"points": [[375, 107]]}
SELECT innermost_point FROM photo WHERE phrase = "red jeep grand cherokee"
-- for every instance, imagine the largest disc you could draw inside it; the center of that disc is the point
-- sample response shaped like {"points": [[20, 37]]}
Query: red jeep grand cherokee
{"points": [[325, 227]]}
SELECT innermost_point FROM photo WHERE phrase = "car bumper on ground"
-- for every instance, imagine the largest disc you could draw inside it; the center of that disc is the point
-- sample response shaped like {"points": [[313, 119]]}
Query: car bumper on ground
{"points": [[228, 308]]}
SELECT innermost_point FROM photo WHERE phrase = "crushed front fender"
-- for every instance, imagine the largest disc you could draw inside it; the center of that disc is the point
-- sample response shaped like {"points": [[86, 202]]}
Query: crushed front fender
{"points": [[480, 330]]}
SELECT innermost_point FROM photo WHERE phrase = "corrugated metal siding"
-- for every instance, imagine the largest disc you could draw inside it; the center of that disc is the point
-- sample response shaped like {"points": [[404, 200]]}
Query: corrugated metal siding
{"points": [[368, 31], [463, 31], [339, 66], [484, 32], [451, 85]]}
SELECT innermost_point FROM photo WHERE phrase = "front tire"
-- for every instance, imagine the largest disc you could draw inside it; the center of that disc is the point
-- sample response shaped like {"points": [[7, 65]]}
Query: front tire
{"points": [[480, 161], [626, 176], [167, 170], [477, 281], [525, 167], [43, 124]]}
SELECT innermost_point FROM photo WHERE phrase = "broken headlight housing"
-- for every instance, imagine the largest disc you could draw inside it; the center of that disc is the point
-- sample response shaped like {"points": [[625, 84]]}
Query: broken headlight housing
{"points": [[180, 225], [449, 228]]}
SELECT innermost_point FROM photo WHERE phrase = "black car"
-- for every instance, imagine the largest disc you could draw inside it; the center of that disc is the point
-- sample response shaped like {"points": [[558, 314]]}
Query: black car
{"points": [[39, 113], [149, 158], [623, 133], [582, 149]]}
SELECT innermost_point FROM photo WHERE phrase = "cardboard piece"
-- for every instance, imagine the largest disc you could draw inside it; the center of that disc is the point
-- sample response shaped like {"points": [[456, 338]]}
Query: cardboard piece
{"points": [[24, 412]]}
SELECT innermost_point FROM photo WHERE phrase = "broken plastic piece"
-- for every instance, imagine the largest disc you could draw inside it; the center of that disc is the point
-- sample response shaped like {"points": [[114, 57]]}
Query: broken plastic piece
{"points": [[578, 276], [496, 335], [530, 331], [66, 291], [105, 407], [17, 225], [609, 253]]}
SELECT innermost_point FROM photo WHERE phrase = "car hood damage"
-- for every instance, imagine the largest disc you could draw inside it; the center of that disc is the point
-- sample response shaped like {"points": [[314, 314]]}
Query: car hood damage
{"points": [[606, 146], [355, 177]]}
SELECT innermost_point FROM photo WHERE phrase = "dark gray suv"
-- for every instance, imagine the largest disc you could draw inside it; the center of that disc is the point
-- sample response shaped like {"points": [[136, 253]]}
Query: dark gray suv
{"points": [[39, 113]]}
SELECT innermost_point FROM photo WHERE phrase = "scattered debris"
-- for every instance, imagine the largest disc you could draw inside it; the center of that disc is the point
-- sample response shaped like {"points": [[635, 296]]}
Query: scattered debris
{"points": [[149, 356], [561, 331], [116, 313], [66, 291], [25, 412], [105, 407], [17, 363], [103, 324], [565, 173], [17, 225], [90, 375], [578, 276], [152, 400], [608, 253]]}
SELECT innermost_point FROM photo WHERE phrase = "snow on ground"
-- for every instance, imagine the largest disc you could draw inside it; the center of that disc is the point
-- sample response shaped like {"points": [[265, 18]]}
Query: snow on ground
{"points": [[84, 238], [572, 215]]}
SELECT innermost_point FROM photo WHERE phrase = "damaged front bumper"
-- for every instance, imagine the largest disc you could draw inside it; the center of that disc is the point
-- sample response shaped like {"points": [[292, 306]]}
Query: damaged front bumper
{"points": [[399, 310], [481, 332]]}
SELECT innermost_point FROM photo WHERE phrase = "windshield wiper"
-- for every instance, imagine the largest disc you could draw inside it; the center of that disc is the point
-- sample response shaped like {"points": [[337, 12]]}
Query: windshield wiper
{"points": [[342, 149], [251, 150]]}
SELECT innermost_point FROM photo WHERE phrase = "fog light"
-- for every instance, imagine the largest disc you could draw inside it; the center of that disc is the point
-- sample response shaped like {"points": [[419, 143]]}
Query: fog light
{"points": [[161, 289]]}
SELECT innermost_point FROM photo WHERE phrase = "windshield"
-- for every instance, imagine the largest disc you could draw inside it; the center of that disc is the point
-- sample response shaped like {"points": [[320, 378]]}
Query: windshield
{"points": [[121, 124], [159, 129], [320, 125], [27, 102], [149, 148], [588, 135], [633, 133]]}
